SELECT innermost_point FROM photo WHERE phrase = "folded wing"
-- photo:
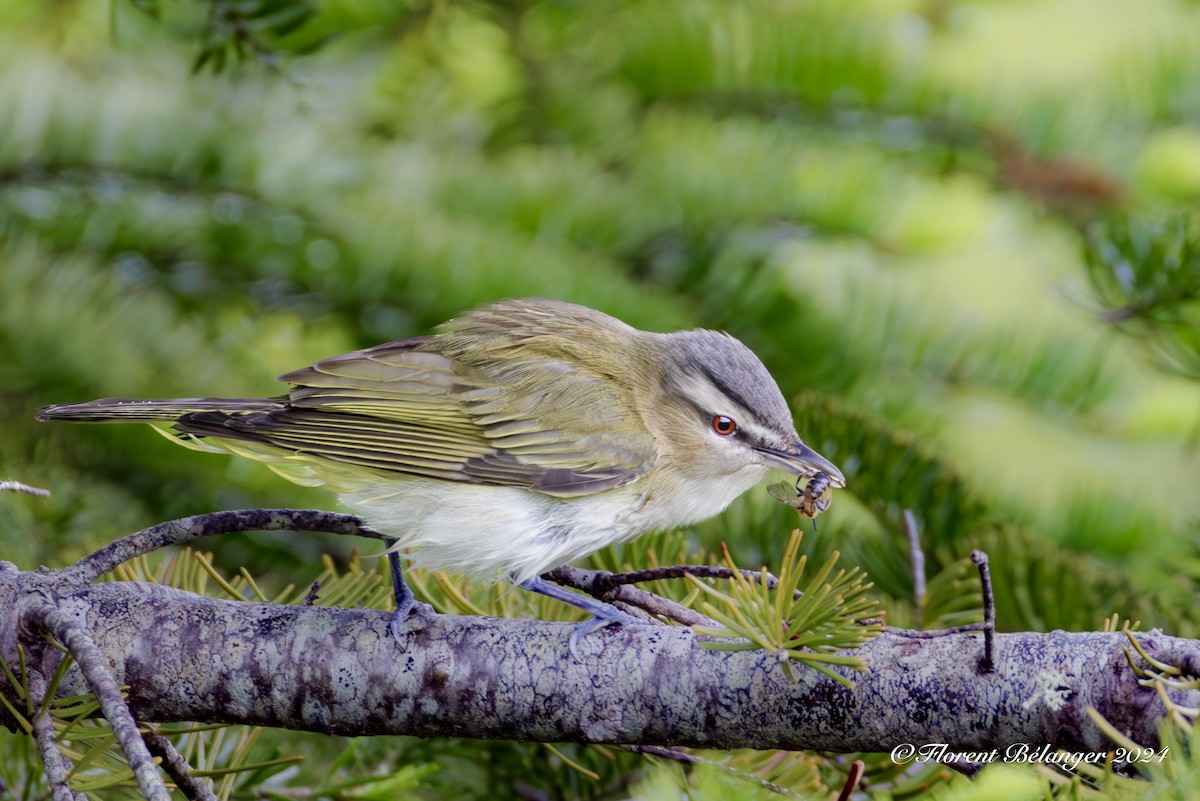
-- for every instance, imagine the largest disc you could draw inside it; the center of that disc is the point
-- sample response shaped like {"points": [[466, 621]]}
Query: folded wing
{"points": [[506, 412]]}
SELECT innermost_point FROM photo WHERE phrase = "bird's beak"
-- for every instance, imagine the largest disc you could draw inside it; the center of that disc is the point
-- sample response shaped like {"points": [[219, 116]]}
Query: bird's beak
{"points": [[804, 461]]}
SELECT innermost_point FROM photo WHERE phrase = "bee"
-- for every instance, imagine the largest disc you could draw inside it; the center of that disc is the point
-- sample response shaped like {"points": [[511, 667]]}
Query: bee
{"points": [[810, 500], [816, 496]]}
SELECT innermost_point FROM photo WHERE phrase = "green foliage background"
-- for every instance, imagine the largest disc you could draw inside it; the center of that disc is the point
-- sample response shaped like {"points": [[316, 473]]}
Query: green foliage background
{"points": [[963, 237]]}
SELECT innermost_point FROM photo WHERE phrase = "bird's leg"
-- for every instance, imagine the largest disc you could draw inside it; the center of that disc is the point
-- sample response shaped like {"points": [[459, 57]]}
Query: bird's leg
{"points": [[603, 614], [406, 602]]}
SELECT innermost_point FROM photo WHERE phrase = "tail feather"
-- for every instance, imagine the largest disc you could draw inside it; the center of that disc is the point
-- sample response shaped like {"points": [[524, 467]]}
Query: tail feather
{"points": [[120, 410]]}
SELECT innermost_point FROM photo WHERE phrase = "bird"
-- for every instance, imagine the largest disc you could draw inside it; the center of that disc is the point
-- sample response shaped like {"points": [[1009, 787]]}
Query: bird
{"points": [[523, 435]]}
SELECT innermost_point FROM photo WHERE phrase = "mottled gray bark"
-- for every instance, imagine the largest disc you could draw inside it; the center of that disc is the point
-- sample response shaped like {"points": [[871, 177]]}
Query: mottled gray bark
{"points": [[340, 671]]}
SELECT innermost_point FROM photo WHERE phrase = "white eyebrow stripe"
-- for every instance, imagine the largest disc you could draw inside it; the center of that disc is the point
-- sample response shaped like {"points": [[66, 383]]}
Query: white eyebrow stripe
{"points": [[708, 400]]}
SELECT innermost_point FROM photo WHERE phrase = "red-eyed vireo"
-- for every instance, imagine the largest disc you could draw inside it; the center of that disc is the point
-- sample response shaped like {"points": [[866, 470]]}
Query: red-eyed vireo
{"points": [[523, 435]]}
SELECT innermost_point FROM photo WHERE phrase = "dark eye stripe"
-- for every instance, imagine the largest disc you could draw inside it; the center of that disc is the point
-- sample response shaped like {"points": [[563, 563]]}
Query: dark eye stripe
{"points": [[726, 390]]}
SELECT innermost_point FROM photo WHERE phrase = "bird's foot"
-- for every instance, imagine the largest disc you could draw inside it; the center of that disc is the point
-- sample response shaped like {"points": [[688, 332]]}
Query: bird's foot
{"points": [[585, 628], [603, 614], [413, 608], [406, 603]]}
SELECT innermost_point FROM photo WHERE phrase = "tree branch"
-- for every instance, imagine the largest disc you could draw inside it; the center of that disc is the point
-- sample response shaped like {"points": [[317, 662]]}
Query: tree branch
{"points": [[177, 768], [186, 529], [58, 768], [17, 486], [600, 584], [91, 670], [653, 688], [339, 671]]}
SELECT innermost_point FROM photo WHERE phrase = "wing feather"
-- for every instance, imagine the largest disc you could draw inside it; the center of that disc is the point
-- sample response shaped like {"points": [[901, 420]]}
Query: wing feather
{"points": [[487, 401]]}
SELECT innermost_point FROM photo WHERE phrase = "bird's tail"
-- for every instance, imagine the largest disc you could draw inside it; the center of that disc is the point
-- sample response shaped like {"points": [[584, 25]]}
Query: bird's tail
{"points": [[119, 410]]}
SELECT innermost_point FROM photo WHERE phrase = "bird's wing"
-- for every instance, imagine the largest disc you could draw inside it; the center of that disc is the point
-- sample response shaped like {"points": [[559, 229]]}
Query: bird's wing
{"points": [[538, 423]]}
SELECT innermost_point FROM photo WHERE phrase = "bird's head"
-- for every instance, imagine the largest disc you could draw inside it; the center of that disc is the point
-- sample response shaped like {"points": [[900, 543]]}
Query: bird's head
{"points": [[723, 413]]}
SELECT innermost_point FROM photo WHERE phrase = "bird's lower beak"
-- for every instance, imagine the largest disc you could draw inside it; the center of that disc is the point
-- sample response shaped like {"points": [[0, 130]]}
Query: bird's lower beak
{"points": [[804, 461]]}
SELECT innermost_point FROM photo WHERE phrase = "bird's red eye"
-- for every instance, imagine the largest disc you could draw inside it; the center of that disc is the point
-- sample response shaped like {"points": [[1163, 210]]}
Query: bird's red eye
{"points": [[723, 425]]}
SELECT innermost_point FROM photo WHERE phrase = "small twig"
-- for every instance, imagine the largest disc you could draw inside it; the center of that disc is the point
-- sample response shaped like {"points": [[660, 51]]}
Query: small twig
{"points": [[593, 583], [178, 768], [987, 664], [310, 598], [610, 580], [675, 755], [94, 667], [968, 769], [17, 486], [186, 529], [227, 15], [852, 779], [916, 558], [685, 758], [57, 768], [988, 626], [609, 586]]}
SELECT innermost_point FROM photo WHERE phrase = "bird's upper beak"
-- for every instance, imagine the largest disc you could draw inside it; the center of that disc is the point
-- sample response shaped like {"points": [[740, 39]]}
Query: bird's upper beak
{"points": [[803, 460]]}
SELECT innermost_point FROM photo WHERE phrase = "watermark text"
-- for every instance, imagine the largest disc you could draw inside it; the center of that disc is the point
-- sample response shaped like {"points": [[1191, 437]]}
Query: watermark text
{"points": [[1026, 753]]}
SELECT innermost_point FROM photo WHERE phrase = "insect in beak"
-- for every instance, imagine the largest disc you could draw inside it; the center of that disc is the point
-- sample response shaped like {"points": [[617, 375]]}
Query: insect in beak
{"points": [[810, 500]]}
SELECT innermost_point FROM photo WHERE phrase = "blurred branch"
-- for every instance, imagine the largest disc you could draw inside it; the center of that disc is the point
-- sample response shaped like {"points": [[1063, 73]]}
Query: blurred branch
{"points": [[17, 486], [1145, 275], [1067, 186], [916, 558], [248, 27]]}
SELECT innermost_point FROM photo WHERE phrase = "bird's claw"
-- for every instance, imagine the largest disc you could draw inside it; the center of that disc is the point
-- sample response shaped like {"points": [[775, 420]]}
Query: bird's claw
{"points": [[406, 603], [615, 618], [603, 614], [413, 608]]}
